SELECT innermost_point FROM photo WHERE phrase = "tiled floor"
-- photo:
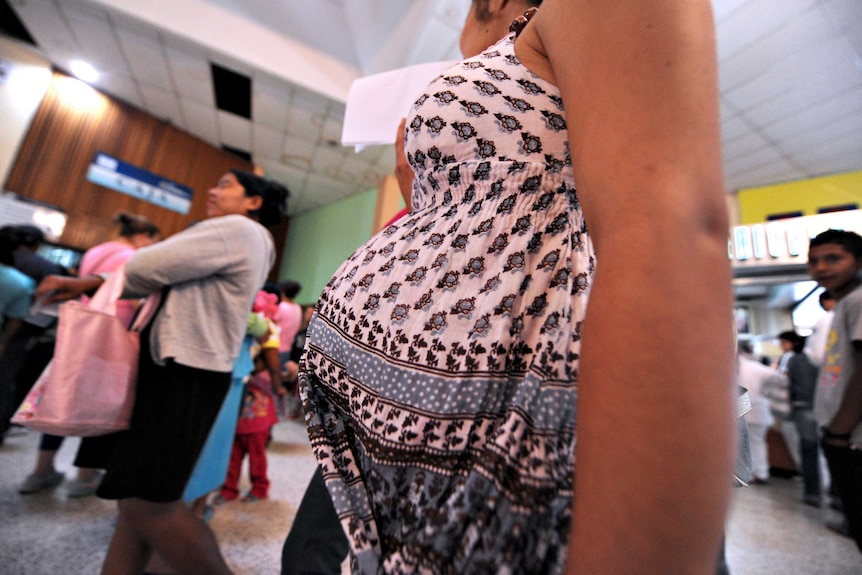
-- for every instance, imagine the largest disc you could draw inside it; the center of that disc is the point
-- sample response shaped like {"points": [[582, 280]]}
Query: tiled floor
{"points": [[770, 532]]}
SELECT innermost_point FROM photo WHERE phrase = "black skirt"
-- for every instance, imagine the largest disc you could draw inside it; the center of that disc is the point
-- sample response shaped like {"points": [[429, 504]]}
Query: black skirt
{"points": [[175, 407]]}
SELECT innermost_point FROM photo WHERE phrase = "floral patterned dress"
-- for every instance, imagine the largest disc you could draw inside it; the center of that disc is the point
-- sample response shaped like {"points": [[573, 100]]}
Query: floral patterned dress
{"points": [[440, 377]]}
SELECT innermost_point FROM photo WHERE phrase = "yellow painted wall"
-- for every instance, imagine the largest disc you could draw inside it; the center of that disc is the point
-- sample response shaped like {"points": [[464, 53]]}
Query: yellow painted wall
{"points": [[806, 196]]}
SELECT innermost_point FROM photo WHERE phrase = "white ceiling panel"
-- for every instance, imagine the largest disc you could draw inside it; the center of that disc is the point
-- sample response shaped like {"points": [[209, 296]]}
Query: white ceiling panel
{"points": [[234, 130], [723, 9], [330, 130], [804, 95], [733, 126], [305, 125], [754, 20], [821, 158], [782, 78], [755, 159], [121, 87], [824, 137], [266, 141], [161, 103], [270, 104], [809, 29], [790, 76], [146, 59], [200, 119], [190, 75], [97, 41], [52, 33], [810, 120], [763, 175], [747, 144], [328, 160]]}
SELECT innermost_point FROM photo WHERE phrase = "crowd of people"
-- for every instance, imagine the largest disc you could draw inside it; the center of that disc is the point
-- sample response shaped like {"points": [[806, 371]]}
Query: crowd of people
{"points": [[810, 395], [451, 374]]}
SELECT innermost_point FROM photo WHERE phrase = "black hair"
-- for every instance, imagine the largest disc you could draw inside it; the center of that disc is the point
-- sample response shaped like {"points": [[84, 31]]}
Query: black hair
{"points": [[8, 243], [273, 194], [291, 288], [132, 225], [272, 287], [28, 236], [794, 338], [851, 241]]}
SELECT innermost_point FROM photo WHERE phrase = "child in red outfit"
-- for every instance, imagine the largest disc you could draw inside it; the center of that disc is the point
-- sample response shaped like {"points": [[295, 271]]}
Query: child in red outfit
{"points": [[252, 431]]}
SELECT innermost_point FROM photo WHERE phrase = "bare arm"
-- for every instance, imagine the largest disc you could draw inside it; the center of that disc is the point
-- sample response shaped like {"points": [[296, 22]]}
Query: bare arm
{"points": [[63, 288], [270, 357], [849, 413], [655, 402]]}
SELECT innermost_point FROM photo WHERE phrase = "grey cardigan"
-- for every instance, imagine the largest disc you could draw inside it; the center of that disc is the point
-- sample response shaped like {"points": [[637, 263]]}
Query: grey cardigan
{"points": [[214, 268]]}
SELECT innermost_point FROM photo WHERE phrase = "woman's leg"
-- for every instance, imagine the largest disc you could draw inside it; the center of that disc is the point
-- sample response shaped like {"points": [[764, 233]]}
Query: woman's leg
{"points": [[170, 529]]}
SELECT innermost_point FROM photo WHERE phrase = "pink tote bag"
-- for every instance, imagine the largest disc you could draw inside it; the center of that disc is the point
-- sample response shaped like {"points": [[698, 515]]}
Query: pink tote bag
{"points": [[88, 388]]}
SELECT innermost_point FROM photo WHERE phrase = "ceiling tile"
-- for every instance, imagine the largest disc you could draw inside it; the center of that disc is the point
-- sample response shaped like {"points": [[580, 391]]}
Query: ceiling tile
{"points": [[146, 59], [190, 74], [832, 80], [97, 41], [733, 126], [724, 8], [304, 124], [297, 152], [327, 161], [121, 87], [266, 141], [824, 137], [745, 145], [841, 153], [270, 103], [161, 103], [234, 131], [813, 118], [756, 19], [52, 34], [771, 173], [782, 77], [330, 130], [755, 158], [203, 118], [808, 30]]}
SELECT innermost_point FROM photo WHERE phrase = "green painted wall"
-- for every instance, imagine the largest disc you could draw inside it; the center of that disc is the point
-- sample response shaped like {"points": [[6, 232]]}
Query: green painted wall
{"points": [[320, 240]]}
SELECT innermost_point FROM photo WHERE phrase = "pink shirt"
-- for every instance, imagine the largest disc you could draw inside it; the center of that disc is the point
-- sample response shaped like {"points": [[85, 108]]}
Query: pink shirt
{"points": [[288, 317], [106, 258]]}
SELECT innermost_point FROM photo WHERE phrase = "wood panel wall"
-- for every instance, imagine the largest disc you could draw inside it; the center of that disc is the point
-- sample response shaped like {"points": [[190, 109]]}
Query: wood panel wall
{"points": [[53, 159]]}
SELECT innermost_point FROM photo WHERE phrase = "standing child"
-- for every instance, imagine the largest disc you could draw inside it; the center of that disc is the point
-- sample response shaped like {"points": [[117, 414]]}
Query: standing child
{"points": [[252, 432], [835, 261]]}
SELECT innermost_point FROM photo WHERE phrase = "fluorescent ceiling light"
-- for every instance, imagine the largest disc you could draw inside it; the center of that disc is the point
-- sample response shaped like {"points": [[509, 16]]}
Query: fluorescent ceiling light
{"points": [[84, 71]]}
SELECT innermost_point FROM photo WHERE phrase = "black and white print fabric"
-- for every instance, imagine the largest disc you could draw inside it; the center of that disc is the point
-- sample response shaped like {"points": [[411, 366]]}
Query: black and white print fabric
{"points": [[440, 378]]}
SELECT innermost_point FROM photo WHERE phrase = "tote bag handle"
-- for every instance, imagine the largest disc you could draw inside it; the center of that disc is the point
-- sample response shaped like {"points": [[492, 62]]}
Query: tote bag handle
{"points": [[105, 298]]}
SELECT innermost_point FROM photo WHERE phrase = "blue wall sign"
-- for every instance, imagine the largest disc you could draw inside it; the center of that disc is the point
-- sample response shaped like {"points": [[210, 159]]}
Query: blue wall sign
{"points": [[118, 175]]}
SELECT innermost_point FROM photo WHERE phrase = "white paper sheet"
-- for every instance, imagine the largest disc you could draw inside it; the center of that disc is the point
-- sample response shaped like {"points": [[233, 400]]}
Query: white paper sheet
{"points": [[376, 104]]}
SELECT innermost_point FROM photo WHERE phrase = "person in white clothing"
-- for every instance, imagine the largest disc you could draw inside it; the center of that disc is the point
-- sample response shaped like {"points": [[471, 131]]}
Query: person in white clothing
{"points": [[815, 344], [753, 376]]}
